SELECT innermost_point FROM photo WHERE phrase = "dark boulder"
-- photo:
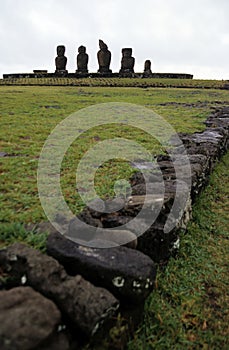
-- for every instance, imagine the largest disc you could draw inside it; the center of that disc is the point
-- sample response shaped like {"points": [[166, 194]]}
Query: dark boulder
{"points": [[82, 304], [27, 319], [125, 272]]}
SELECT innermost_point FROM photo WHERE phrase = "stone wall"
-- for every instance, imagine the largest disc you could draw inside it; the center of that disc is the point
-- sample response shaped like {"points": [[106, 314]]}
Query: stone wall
{"points": [[67, 297]]}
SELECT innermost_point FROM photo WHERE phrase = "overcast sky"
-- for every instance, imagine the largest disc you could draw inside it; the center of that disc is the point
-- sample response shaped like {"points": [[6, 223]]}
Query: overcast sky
{"points": [[176, 35]]}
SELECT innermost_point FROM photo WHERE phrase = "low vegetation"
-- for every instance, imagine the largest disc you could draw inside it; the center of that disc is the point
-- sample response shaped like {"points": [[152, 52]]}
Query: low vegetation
{"points": [[189, 307], [29, 114]]}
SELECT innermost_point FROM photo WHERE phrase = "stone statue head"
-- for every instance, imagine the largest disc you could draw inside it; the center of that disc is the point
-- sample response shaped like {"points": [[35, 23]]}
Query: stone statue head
{"points": [[147, 65], [60, 50], [102, 45], [82, 49], [127, 52]]}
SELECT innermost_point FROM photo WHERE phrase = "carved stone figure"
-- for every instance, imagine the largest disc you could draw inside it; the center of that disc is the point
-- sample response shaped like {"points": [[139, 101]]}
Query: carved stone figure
{"points": [[127, 62], [61, 60], [147, 69], [82, 60], [104, 58]]}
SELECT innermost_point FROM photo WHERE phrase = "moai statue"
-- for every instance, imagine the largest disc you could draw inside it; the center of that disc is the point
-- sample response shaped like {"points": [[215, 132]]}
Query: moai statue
{"points": [[82, 60], [147, 69], [127, 63], [104, 59], [61, 60]]}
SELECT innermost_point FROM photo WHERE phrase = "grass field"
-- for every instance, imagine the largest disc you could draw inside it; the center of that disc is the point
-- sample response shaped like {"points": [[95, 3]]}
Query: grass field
{"points": [[29, 114], [189, 308]]}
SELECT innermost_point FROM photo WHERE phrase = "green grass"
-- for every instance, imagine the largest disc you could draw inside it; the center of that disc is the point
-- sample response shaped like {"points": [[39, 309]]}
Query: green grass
{"points": [[189, 308], [29, 114], [16, 232]]}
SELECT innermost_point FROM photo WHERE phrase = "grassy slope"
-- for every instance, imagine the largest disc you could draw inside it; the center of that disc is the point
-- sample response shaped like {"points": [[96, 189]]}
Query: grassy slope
{"points": [[189, 308], [28, 115]]}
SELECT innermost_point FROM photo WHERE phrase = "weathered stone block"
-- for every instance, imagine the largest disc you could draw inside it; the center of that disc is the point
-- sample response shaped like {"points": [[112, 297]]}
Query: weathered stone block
{"points": [[127, 273], [85, 234], [83, 304], [27, 319]]}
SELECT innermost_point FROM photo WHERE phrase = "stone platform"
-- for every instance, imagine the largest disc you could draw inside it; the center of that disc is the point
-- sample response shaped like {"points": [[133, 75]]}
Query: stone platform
{"points": [[43, 74]]}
